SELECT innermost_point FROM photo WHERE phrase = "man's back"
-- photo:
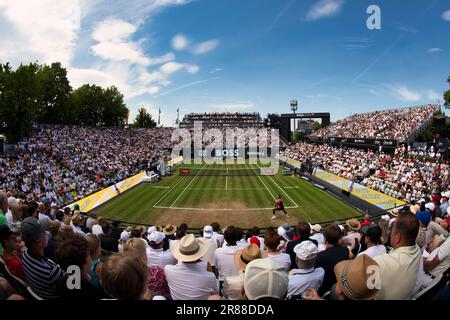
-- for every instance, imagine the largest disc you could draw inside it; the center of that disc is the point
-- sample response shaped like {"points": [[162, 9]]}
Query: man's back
{"points": [[399, 270], [42, 275], [327, 260], [160, 258], [190, 281], [224, 258]]}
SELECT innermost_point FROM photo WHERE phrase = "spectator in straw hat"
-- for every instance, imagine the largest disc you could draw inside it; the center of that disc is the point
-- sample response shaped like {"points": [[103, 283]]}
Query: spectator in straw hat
{"points": [[169, 231], [155, 254], [265, 279], [189, 279], [233, 287], [305, 276], [352, 279], [353, 237]]}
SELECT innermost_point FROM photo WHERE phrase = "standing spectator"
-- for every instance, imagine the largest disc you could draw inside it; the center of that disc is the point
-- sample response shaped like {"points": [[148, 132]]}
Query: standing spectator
{"points": [[306, 276], [265, 279], [12, 251], [353, 237], [304, 232], [116, 231], [399, 268], [333, 254], [189, 279], [107, 242], [233, 287], [41, 273], [273, 244], [224, 256], [373, 241], [210, 245], [156, 256]]}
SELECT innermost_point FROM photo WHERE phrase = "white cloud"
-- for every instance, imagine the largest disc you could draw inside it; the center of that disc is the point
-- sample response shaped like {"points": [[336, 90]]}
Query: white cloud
{"points": [[433, 50], [446, 15], [171, 67], [403, 93], [432, 95], [324, 8], [180, 42], [206, 46], [234, 106], [43, 30]]}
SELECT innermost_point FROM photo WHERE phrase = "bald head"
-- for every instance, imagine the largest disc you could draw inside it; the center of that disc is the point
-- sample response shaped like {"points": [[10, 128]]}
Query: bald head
{"points": [[405, 230]]}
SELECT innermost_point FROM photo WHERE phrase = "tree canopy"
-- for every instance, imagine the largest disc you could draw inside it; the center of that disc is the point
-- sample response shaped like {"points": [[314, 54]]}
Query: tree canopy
{"points": [[143, 119], [37, 93]]}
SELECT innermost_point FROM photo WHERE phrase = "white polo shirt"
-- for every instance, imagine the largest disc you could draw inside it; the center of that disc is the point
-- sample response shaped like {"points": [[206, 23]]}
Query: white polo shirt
{"points": [[302, 279], [225, 261], [374, 250], [399, 270], [282, 258], [159, 258], [443, 252], [190, 281]]}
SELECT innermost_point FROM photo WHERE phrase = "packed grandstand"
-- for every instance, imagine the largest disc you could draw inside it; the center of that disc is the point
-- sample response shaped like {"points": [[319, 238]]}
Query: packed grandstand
{"points": [[41, 235]]}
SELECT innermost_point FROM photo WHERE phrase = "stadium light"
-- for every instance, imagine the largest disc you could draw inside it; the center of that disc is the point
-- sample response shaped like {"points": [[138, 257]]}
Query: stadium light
{"points": [[294, 105]]}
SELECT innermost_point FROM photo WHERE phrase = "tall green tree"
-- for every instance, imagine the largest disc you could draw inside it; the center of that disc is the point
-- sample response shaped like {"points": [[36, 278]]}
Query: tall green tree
{"points": [[88, 103], [115, 111], [55, 89], [143, 120], [447, 95]]}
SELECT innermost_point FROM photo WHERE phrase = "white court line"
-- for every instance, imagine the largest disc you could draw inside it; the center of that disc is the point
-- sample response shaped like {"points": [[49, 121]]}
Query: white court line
{"points": [[239, 189], [160, 187], [274, 197], [284, 192], [179, 196], [290, 187], [218, 209], [154, 206]]}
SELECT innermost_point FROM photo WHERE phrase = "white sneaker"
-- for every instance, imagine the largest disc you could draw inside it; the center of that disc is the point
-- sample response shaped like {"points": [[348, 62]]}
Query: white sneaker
{"points": [[287, 216], [273, 217]]}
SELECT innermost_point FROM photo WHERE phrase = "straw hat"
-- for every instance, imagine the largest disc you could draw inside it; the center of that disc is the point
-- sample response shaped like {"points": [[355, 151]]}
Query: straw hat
{"points": [[243, 256], [352, 277], [353, 224], [188, 249], [169, 229]]}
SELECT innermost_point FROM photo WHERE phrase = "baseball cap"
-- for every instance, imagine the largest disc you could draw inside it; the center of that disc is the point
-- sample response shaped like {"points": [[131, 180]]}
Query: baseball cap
{"points": [[430, 206], [424, 217], [125, 235], [306, 250], [265, 278], [31, 229], [317, 227], [156, 237], [255, 240], [151, 229], [207, 231]]}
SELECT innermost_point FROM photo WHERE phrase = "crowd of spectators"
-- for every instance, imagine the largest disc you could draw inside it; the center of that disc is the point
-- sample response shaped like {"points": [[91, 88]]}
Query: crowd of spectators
{"points": [[407, 249], [60, 164], [223, 119], [402, 175], [396, 124]]}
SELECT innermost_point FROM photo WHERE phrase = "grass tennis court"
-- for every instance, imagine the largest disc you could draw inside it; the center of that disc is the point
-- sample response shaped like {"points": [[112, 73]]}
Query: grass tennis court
{"points": [[242, 200]]}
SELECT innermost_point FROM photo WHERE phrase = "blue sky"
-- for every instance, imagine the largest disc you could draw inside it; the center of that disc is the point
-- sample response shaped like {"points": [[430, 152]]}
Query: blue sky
{"points": [[239, 55]]}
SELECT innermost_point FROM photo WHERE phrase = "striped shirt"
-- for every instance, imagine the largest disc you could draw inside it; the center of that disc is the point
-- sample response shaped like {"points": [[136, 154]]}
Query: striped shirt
{"points": [[42, 275]]}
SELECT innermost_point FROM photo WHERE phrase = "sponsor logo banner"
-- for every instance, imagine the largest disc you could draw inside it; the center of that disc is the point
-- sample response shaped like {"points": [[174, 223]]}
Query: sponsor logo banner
{"points": [[372, 196], [100, 197]]}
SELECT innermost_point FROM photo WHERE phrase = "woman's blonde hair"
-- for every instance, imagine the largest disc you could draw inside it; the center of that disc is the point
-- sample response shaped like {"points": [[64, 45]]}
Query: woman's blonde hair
{"points": [[384, 225], [17, 211], [137, 248]]}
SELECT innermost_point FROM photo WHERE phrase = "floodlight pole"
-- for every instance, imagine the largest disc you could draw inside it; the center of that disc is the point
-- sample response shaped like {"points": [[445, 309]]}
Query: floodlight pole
{"points": [[294, 105]]}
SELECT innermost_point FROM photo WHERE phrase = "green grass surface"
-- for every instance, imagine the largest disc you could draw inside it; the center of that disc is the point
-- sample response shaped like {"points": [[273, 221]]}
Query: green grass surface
{"points": [[244, 201]]}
